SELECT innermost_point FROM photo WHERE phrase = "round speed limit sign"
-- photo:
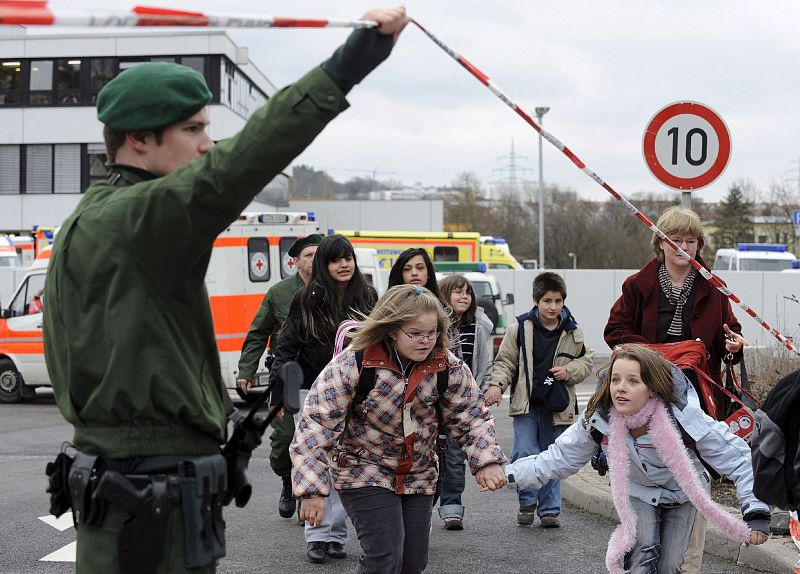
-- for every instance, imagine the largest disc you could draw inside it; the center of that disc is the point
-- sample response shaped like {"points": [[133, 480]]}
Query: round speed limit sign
{"points": [[686, 145]]}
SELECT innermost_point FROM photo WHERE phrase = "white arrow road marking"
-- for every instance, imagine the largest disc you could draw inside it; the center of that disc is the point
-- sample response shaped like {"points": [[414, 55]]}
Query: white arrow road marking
{"points": [[65, 554], [68, 552], [62, 523]]}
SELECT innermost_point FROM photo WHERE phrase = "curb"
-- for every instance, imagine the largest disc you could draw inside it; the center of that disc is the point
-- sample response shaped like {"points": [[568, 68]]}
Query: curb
{"points": [[773, 556]]}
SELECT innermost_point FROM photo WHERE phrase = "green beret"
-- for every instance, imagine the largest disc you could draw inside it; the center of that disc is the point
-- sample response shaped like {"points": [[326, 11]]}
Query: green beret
{"points": [[298, 246], [152, 96]]}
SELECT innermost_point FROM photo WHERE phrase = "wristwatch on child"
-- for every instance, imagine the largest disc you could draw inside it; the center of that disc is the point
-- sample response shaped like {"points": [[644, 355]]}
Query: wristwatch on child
{"points": [[512, 484]]}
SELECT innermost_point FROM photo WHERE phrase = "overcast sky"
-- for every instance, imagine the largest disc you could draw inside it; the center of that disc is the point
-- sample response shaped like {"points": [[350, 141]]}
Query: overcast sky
{"points": [[604, 68]]}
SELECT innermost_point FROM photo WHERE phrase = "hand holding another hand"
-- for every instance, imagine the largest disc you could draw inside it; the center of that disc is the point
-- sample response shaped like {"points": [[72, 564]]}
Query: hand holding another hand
{"points": [[491, 477]]}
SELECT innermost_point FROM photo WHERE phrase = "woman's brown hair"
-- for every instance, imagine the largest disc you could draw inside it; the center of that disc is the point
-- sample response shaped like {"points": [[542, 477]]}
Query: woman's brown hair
{"points": [[656, 375]]}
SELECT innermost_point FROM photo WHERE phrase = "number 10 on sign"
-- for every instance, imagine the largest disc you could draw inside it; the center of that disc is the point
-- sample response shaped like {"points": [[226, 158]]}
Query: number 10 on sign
{"points": [[686, 145]]}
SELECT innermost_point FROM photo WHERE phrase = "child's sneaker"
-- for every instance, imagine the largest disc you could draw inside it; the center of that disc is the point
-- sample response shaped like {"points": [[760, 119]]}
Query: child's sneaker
{"points": [[526, 515], [453, 523], [550, 521]]}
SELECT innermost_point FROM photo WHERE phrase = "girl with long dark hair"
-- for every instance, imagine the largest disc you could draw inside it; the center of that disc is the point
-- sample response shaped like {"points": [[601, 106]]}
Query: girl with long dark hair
{"points": [[414, 267], [337, 291]]}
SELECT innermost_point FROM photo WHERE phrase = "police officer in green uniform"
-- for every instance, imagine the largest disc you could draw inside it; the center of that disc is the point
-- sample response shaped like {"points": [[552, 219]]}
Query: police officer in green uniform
{"points": [[129, 339], [268, 320]]}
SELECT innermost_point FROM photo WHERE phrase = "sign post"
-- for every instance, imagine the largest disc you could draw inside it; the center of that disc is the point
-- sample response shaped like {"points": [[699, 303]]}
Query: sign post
{"points": [[686, 146], [796, 222]]}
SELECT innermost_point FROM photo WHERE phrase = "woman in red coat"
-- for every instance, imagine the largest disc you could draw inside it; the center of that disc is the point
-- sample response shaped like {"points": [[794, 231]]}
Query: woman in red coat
{"points": [[667, 300]]}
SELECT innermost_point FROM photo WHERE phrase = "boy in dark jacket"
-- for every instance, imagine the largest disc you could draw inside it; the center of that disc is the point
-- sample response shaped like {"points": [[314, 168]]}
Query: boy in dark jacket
{"points": [[542, 380]]}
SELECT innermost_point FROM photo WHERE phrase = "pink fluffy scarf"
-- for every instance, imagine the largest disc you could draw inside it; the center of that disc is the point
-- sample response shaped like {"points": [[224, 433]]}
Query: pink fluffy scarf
{"points": [[670, 447]]}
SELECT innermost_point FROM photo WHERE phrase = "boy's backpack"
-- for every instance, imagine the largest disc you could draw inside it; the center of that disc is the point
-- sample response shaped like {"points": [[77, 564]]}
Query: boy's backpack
{"points": [[366, 382], [550, 394], [776, 465]]}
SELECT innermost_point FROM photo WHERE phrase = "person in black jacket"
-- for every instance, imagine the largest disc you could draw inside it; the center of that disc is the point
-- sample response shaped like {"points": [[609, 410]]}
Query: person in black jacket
{"points": [[337, 291]]}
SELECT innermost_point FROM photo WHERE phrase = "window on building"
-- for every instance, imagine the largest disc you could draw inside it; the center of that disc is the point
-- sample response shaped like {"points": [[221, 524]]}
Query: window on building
{"points": [[102, 72], [9, 167], [128, 64], [68, 82], [39, 169], [41, 83], [67, 168], [10, 83], [195, 62], [97, 162]]}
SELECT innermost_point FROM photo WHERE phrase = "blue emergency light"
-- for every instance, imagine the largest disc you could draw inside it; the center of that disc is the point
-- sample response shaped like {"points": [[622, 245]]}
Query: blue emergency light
{"points": [[774, 247], [311, 216]]}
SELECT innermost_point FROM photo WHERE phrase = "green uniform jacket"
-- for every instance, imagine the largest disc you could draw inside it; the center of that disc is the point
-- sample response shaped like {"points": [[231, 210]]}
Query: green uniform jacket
{"points": [[129, 340], [268, 321]]}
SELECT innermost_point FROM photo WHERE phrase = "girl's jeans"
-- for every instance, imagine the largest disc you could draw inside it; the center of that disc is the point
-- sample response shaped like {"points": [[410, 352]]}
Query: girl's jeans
{"points": [[662, 536], [526, 443], [393, 529], [453, 484]]}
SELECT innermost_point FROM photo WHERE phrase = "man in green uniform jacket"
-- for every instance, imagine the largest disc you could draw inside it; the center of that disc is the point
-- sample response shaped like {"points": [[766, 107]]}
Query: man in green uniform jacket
{"points": [[129, 339], [265, 326]]}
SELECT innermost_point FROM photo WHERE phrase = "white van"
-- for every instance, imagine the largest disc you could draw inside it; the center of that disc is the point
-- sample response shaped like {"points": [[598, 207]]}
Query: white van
{"points": [[755, 257]]}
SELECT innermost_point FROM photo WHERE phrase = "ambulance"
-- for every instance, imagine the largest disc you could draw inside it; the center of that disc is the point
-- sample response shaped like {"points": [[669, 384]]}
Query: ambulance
{"points": [[8, 253], [464, 246], [247, 259], [24, 246]]}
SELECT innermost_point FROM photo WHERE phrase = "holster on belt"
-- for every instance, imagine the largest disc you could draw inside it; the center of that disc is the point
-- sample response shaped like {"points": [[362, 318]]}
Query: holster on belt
{"points": [[203, 487], [146, 499], [84, 474]]}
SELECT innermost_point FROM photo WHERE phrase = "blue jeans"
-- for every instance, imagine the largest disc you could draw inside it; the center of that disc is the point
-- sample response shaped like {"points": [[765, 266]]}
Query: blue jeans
{"points": [[453, 484], [662, 536], [527, 441]]}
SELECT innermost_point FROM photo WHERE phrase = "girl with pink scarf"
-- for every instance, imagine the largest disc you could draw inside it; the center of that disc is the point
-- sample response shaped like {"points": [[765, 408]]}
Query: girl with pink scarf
{"points": [[638, 414]]}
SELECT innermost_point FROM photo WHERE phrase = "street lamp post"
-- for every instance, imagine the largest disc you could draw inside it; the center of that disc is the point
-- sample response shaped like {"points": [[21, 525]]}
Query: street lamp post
{"points": [[541, 111], [574, 259]]}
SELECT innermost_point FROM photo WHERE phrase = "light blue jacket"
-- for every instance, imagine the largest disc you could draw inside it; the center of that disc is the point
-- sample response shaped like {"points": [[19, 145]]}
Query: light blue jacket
{"points": [[649, 479]]}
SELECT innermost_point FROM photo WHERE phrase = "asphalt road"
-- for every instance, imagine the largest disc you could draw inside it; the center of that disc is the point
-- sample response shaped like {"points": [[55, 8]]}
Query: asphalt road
{"points": [[260, 541]]}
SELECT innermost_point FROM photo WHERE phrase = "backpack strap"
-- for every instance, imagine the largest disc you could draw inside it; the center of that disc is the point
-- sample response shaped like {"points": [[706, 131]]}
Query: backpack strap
{"points": [[521, 346], [366, 382], [366, 379]]}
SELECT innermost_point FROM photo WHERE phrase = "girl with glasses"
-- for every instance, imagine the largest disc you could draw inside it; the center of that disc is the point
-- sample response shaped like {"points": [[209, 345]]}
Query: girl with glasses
{"points": [[380, 454]]}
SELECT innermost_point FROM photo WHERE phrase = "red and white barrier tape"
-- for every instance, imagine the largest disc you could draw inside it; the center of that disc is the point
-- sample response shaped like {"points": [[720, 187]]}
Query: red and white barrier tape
{"points": [[38, 13], [710, 277]]}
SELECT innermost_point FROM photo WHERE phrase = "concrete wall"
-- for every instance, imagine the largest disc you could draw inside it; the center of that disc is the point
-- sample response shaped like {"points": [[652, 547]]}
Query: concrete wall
{"points": [[592, 292]]}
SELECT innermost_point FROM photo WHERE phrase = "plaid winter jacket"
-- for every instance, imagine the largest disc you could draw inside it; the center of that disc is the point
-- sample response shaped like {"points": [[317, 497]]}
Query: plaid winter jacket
{"points": [[390, 439]]}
